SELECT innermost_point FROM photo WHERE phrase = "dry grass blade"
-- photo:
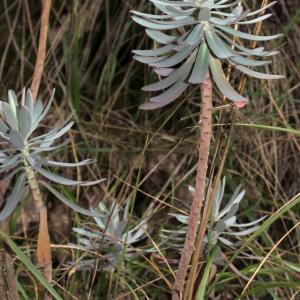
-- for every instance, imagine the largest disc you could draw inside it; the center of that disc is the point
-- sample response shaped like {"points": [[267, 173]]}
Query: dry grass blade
{"points": [[42, 47]]}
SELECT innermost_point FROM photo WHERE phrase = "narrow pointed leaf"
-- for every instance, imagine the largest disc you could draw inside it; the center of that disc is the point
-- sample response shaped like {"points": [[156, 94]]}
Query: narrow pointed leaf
{"points": [[244, 232], [9, 116], [68, 202], [155, 52], [16, 139], [46, 110], [57, 178], [218, 47], [25, 121], [259, 75], [162, 25], [13, 102], [29, 101], [9, 162], [248, 36], [37, 110], [249, 224], [63, 164], [179, 74], [3, 128], [196, 35], [165, 98], [17, 194], [222, 83], [240, 60], [160, 37], [201, 66], [174, 59]]}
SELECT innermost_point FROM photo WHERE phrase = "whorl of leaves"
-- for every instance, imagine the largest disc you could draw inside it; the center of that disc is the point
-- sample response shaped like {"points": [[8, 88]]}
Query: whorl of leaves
{"points": [[112, 234], [196, 37], [223, 225], [21, 150]]}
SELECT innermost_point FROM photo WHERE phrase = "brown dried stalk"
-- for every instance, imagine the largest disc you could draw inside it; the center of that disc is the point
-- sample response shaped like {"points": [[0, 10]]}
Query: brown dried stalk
{"points": [[8, 285], [204, 145], [43, 253], [41, 54]]}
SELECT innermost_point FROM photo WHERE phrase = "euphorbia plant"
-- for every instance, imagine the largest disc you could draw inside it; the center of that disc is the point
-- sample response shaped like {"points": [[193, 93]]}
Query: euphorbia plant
{"points": [[113, 234], [223, 227], [25, 157], [198, 39]]}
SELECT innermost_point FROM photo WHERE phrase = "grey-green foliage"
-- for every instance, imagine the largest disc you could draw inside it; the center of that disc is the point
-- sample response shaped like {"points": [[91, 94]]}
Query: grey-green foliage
{"points": [[196, 37], [20, 150], [113, 235], [223, 226]]}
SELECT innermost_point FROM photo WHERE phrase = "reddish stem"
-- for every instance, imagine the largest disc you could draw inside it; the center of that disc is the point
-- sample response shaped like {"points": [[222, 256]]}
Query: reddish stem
{"points": [[204, 145]]}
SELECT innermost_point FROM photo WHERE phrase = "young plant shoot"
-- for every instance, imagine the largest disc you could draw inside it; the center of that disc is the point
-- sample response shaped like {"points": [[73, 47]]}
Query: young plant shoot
{"points": [[223, 226], [113, 234]]}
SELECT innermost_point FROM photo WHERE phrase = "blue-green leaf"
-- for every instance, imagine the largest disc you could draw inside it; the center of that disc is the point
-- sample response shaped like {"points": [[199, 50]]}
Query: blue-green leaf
{"points": [[200, 69], [9, 115], [62, 164], [218, 47], [222, 83], [29, 101], [64, 181], [258, 74], [16, 139], [179, 74], [165, 98], [13, 102], [37, 110], [56, 178], [25, 121], [68, 202], [3, 128], [164, 25], [248, 36], [175, 59], [155, 52], [18, 193], [160, 37]]}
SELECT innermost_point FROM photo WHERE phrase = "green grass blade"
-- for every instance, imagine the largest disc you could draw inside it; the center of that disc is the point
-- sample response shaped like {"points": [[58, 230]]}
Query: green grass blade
{"points": [[265, 127], [30, 266], [264, 227], [203, 284]]}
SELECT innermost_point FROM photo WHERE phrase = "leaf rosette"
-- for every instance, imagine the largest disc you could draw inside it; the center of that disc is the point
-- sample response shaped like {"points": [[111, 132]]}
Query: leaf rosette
{"points": [[113, 234], [223, 227], [26, 155], [196, 38]]}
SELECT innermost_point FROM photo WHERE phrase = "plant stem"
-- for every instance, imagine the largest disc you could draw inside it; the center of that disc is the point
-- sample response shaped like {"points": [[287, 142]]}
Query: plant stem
{"points": [[207, 213], [43, 254], [41, 54], [211, 195], [204, 144]]}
